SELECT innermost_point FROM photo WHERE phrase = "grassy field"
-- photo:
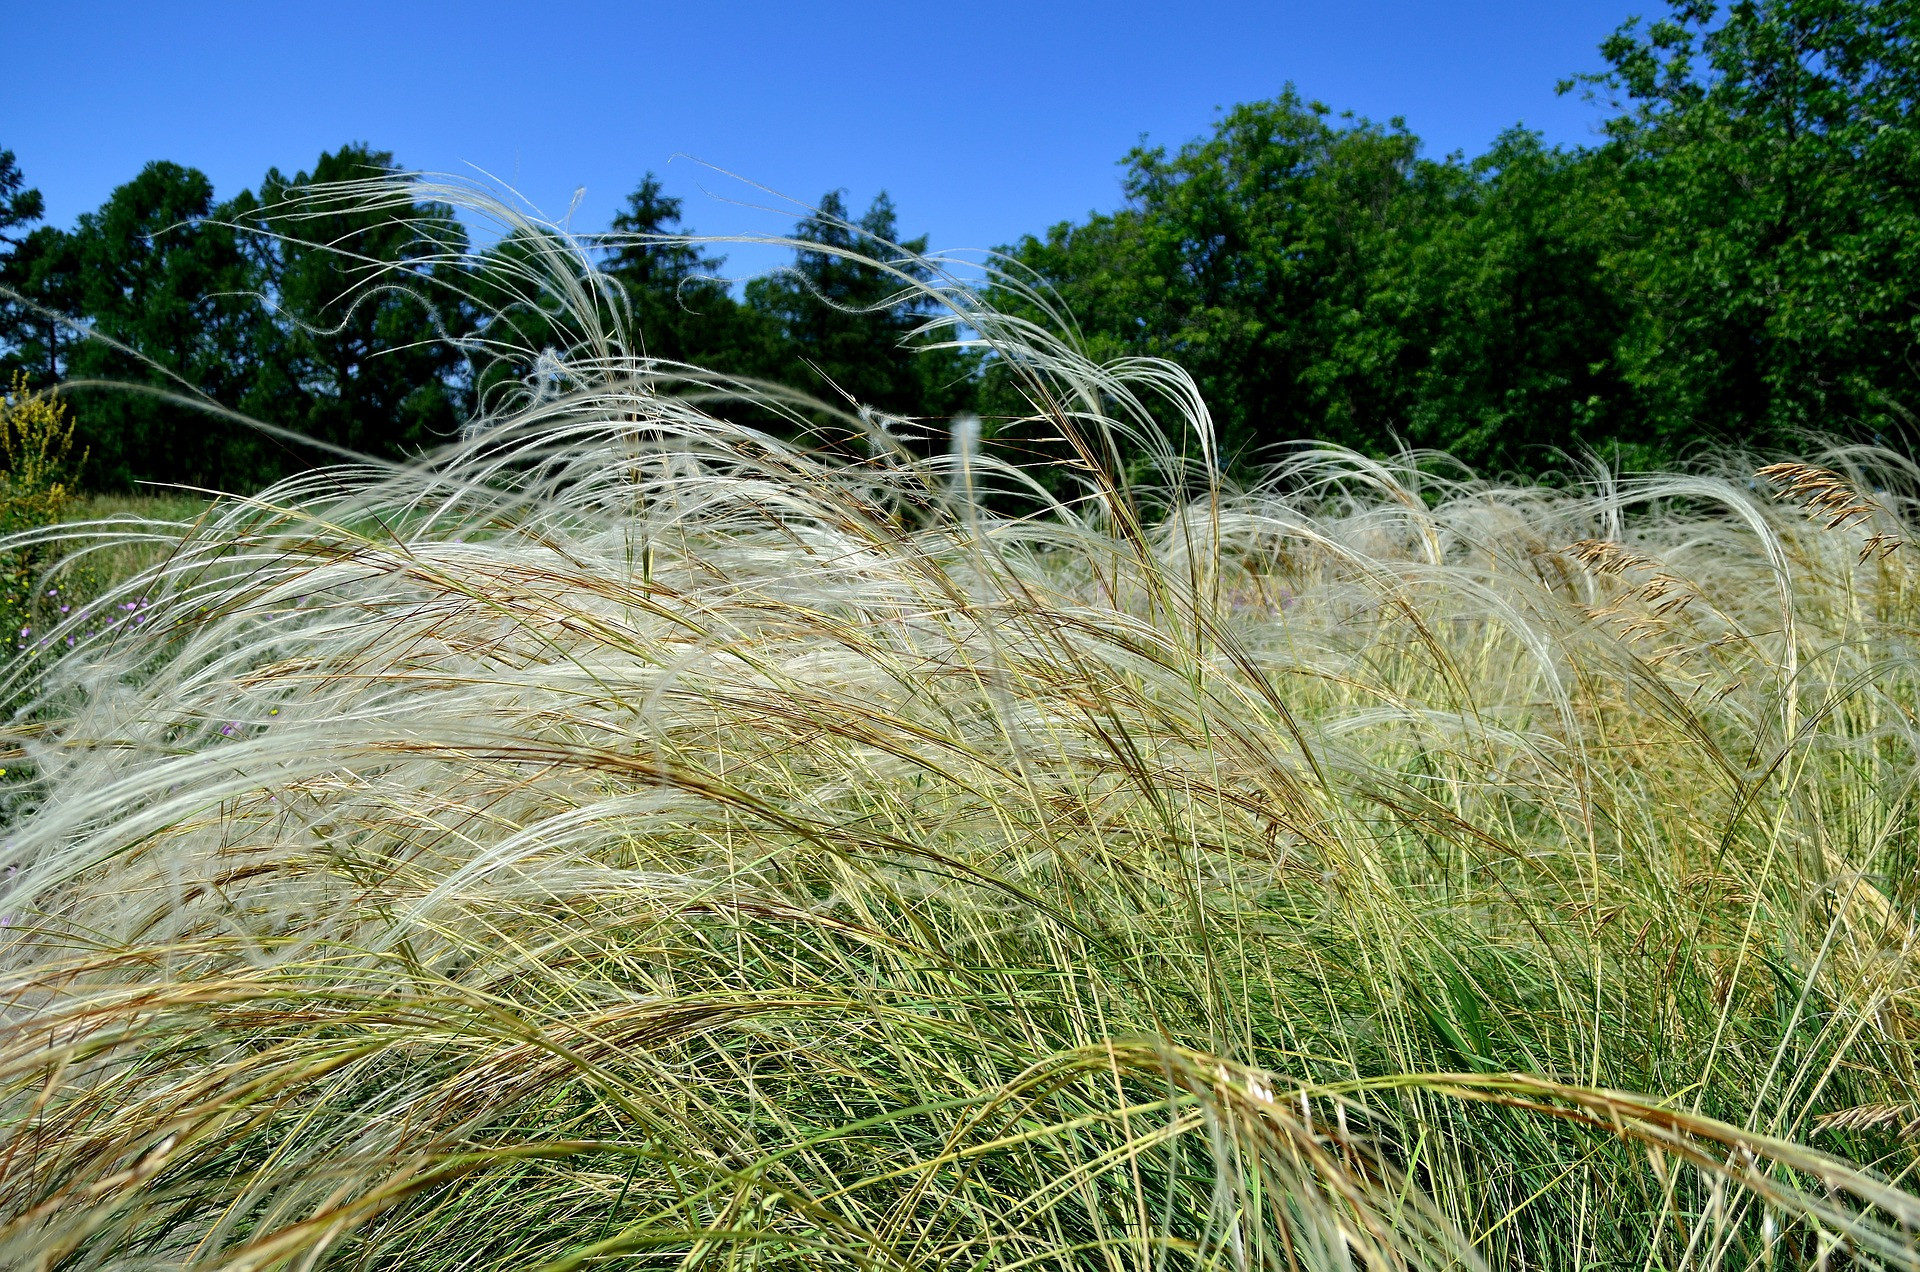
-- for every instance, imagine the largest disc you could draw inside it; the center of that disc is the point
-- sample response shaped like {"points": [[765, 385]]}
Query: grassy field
{"points": [[634, 841], [119, 556]]}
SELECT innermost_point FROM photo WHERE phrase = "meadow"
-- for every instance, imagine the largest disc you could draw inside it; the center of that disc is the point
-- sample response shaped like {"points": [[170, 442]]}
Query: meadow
{"points": [[633, 839]]}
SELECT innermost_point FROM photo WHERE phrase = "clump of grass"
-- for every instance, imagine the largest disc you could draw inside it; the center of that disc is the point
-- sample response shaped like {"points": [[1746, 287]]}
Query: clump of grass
{"points": [[634, 839]]}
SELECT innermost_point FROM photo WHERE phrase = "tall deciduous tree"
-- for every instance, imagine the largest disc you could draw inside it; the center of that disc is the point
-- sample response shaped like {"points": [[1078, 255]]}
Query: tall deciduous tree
{"points": [[1771, 214], [1267, 260], [1511, 316]]}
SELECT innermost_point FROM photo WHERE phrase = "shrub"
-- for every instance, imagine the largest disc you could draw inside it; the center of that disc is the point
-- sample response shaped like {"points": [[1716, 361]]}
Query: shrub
{"points": [[36, 493]]}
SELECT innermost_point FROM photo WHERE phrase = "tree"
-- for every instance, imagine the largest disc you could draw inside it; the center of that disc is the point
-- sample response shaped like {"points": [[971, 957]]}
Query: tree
{"points": [[45, 271], [1770, 218], [366, 303], [18, 205], [159, 272], [680, 308], [38, 267], [657, 268], [1322, 280], [1517, 320], [519, 312], [1258, 258], [848, 310]]}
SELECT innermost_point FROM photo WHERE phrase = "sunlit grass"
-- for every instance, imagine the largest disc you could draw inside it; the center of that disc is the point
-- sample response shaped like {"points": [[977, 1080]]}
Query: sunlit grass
{"points": [[633, 840], [121, 557]]}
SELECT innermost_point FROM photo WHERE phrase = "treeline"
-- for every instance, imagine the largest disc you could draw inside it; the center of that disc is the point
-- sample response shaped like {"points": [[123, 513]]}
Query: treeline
{"points": [[369, 328], [1735, 260]]}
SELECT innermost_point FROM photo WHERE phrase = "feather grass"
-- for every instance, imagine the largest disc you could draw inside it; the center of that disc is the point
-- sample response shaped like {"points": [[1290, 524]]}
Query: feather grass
{"points": [[628, 838]]}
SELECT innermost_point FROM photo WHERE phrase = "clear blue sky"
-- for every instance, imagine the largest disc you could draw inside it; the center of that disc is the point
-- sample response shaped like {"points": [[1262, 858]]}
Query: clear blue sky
{"points": [[984, 120]]}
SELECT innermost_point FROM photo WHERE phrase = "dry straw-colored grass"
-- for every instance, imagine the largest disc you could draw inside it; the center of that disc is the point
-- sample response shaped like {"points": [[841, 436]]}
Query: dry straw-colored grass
{"points": [[630, 839]]}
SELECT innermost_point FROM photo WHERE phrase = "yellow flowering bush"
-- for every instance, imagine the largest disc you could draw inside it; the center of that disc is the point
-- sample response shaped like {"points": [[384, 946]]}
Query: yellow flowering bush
{"points": [[36, 490]]}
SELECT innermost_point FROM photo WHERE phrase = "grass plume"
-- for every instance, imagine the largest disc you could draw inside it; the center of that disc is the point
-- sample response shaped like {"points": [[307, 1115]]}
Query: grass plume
{"points": [[632, 839]]}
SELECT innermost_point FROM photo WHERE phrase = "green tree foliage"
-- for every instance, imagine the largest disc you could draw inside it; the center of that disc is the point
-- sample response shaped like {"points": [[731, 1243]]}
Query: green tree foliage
{"points": [[19, 205], [1768, 226], [354, 349], [834, 324], [850, 315], [679, 307], [515, 290], [650, 287], [1510, 318], [1738, 261], [37, 270], [1249, 257], [44, 270], [1322, 280], [341, 315], [327, 315], [162, 276]]}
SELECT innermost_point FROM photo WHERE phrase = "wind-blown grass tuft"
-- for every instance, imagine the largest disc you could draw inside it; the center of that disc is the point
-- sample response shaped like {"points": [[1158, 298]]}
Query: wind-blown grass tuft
{"points": [[632, 839]]}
